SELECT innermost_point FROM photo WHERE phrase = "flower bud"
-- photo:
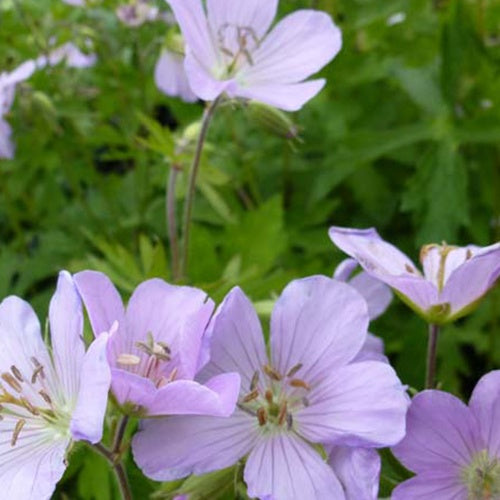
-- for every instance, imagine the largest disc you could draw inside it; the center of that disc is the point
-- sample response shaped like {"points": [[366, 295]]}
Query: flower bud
{"points": [[272, 120]]}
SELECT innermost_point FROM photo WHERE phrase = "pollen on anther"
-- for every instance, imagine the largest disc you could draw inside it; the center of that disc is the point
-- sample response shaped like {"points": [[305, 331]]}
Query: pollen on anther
{"points": [[272, 373], [254, 381], [17, 373], [9, 379], [294, 370], [251, 396], [45, 397], [262, 416], [128, 359], [297, 382]]}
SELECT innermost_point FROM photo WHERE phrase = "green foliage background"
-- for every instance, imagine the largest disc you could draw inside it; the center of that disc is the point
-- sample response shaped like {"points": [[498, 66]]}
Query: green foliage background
{"points": [[405, 137]]}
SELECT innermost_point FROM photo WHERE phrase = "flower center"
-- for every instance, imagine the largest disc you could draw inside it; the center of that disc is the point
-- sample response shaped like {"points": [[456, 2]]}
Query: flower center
{"points": [[25, 398], [274, 402], [152, 362], [237, 44], [482, 477]]}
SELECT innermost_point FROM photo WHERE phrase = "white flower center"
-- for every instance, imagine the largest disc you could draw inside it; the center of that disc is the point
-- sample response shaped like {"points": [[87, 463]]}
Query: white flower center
{"points": [[482, 477], [24, 399], [274, 403]]}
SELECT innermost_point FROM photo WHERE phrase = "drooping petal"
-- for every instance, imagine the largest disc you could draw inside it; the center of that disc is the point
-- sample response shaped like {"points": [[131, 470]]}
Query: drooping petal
{"points": [[95, 377], [255, 15], [470, 281], [102, 301], [319, 323], [441, 432], [30, 469], [297, 47], [217, 397], [444, 484], [361, 404], [344, 270], [287, 96], [386, 263], [66, 329], [237, 341], [358, 469], [372, 350], [6, 144], [283, 466], [176, 315], [378, 295], [174, 447], [194, 26], [171, 78], [485, 404]]}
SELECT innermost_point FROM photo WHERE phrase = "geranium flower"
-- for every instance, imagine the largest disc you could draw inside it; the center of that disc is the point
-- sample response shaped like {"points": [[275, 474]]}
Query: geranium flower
{"points": [[137, 12], [8, 82], [159, 347], [231, 50], [453, 448], [453, 281], [307, 392], [47, 399]]}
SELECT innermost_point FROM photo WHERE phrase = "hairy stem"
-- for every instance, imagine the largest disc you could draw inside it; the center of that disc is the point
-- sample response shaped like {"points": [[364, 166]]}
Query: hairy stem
{"points": [[193, 174], [118, 469], [172, 222], [431, 357]]}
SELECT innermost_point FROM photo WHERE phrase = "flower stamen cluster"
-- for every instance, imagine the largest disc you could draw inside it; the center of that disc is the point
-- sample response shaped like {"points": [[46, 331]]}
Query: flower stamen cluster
{"points": [[482, 477]]}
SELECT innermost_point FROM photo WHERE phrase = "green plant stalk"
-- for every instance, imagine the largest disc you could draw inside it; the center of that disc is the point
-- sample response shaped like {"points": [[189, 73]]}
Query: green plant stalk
{"points": [[430, 375], [172, 222], [113, 456], [193, 175]]}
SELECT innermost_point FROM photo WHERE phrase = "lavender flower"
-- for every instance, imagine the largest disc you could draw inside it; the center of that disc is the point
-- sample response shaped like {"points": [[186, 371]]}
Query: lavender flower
{"points": [[231, 50], [8, 82], [454, 278], [159, 347], [47, 400], [68, 53], [137, 13], [307, 392], [171, 78], [454, 449]]}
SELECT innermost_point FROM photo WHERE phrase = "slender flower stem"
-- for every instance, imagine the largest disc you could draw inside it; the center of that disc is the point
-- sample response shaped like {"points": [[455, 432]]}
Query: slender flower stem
{"points": [[193, 174], [431, 356], [118, 469], [172, 223], [119, 435]]}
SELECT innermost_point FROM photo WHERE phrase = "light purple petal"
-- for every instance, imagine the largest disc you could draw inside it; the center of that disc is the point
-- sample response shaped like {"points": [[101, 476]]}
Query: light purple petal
{"points": [[171, 78], [287, 96], [297, 47], [102, 301], [441, 432], [386, 263], [184, 397], [20, 74], [176, 315], [345, 269], [372, 350], [95, 378], [255, 14], [66, 330], [237, 341], [128, 387], [443, 484], [317, 322], [358, 470], [362, 404], [470, 281], [31, 469], [378, 295], [194, 26], [174, 447], [21, 339], [283, 466], [6, 145], [201, 79], [485, 404]]}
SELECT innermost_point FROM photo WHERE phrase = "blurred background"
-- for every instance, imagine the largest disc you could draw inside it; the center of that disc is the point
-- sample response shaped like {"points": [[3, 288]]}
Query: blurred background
{"points": [[405, 137]]}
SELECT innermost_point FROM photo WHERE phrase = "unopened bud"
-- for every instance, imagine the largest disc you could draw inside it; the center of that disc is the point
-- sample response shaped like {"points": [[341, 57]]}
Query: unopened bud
{"points": [[272, 120]]}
